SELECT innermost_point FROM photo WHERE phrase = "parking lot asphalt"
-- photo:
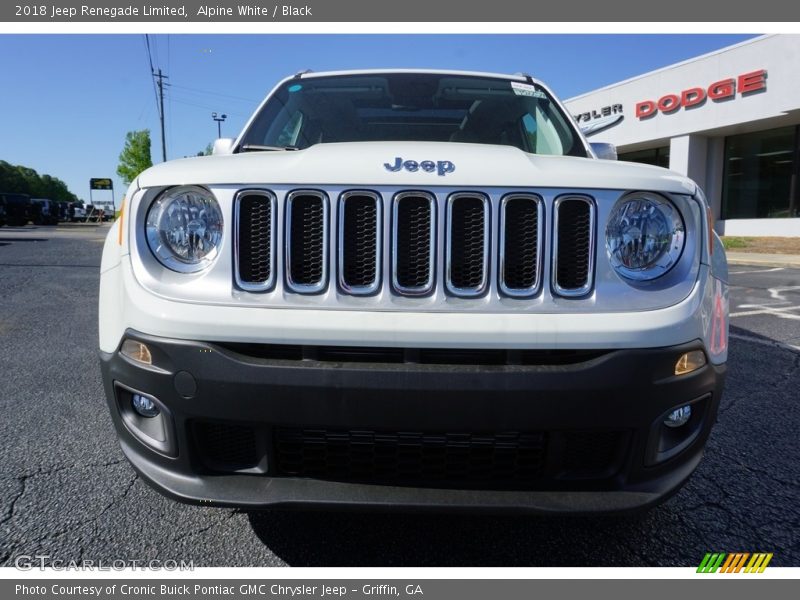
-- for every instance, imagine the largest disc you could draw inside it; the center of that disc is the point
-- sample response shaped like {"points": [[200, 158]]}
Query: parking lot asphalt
{"points": [[67, 492]]}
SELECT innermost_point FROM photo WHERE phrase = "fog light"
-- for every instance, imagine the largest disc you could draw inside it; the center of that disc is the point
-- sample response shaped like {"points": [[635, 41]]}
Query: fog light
{"points": [[691, 361], [144, 406], [137, 351], [679, 416]]}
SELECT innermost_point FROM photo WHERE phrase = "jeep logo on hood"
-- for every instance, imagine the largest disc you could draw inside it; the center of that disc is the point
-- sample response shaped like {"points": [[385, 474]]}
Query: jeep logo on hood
{"points": [[441, 167]]}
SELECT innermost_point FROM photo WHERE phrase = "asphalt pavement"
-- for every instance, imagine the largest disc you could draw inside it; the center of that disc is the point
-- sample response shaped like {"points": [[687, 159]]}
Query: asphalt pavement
{"points": [[67, 492]]}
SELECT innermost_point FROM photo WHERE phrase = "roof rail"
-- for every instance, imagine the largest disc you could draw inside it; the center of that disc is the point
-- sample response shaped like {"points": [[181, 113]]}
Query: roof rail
{"points": [[526, 76]]}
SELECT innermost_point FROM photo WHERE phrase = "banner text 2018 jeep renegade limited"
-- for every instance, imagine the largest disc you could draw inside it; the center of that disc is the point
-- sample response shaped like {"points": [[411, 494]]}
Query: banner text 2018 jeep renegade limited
{"points": [[413, 288]]}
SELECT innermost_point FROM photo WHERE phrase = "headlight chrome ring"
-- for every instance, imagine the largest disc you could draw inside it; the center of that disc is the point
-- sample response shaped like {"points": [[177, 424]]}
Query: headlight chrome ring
{"points": [[184, 228], [645, 236]]}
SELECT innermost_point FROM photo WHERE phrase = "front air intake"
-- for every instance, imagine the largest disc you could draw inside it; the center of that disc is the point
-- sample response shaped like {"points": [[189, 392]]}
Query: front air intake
{"points": [[521, 242], [254, 240], [359, 246], [467, 250], [307, 241], [573, 246], [413, 243]]}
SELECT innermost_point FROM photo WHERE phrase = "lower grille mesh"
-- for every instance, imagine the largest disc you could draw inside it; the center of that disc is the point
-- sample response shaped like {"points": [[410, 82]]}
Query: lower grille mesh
{"points": [[502, 459], [225, 446]]}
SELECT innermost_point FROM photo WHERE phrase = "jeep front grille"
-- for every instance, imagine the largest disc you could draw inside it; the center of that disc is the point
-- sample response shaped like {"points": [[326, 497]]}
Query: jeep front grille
{"points": [[415, 243], [307, 241], [573, 256], [359, 242], [255, 240], [521, 238], [467, 247]]}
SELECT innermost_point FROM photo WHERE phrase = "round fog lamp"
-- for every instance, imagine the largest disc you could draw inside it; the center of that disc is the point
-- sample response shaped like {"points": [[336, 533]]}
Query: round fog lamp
{"points": [[679, 416], [144, 406]]}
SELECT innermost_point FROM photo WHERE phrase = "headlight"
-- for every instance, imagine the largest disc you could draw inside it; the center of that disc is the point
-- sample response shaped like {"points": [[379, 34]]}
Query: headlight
{"points": [[644, 236], [184, 228]]}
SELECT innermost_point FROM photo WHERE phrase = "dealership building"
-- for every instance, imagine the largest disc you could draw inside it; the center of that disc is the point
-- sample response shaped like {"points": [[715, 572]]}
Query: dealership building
{"points": [[730, 120]]}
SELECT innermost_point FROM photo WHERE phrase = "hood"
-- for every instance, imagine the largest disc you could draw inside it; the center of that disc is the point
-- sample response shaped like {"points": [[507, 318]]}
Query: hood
{"points": [[362, 164]]}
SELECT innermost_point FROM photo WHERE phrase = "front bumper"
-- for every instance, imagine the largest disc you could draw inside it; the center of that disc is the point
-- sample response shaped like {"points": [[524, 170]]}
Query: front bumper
{"points": [[243, 428]]}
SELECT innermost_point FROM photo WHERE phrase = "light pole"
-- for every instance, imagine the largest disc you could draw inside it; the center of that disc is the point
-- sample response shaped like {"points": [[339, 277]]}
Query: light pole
{"points": [[219, 119]]}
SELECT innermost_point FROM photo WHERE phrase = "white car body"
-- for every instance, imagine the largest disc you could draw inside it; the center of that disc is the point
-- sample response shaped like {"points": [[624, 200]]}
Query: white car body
{"points": [[138, 294]]}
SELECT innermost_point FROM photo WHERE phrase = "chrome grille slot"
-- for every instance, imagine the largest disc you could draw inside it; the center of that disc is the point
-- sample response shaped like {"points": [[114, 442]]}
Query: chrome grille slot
{"points": [[359, 249], [413, 243], [521, 242], [307, 241], [573, 246], [467, 250], [254, 239]]}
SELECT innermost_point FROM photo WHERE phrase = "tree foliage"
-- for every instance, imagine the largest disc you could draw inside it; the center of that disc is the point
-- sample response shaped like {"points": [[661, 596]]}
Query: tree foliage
{"points": [[135, 156], [18, 179]]}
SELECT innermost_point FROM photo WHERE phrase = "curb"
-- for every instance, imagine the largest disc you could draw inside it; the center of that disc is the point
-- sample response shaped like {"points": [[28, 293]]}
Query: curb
{"points": [[791, 261]]}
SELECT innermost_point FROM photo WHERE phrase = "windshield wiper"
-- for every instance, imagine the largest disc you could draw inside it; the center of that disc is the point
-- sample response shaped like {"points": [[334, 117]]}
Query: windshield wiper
{"points": [[261, 148]]}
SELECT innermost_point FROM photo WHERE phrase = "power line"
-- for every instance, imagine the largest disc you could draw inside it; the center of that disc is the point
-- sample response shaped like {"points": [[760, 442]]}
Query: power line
{"points": [[199, 91], [208, 106], [152, 69]]}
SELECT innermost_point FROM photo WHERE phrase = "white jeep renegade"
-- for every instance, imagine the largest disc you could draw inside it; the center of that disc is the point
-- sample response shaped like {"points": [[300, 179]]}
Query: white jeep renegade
{"points": [[413, 288]]}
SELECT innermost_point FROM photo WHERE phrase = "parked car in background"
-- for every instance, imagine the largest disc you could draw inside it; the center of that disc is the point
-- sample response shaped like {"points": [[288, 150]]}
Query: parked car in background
{"points": [[2, 211], [18, 209], [76, 213], [45, 211]]}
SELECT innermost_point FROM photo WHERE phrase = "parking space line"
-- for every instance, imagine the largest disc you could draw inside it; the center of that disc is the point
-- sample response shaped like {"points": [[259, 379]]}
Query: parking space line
{"points": [[757, 271], [761, 309], [773, 343]]}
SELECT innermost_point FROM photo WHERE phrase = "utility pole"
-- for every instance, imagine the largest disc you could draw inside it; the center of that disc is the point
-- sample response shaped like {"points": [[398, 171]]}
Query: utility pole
{"points": [[161, 79]]}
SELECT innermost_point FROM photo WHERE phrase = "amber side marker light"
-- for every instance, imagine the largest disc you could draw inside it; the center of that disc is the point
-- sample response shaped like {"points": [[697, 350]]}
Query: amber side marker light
{"points": [[691, 361], [137, 351]]}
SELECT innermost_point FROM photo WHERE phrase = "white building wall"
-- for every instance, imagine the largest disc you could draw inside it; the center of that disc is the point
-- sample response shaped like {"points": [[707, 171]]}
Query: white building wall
{"points": [[696, 135], [778, 54]]}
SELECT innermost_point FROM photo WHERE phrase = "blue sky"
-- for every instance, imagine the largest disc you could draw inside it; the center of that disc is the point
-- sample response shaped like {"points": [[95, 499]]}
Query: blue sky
{"points": [[68, 100]]}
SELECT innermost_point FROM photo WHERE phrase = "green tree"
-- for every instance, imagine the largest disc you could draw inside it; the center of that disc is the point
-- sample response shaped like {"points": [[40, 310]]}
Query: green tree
{"points": [[135, 156]]}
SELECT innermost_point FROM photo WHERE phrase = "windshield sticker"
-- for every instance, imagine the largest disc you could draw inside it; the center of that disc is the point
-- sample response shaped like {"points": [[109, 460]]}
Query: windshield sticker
{"points": [[295, 88], [526, 89]]}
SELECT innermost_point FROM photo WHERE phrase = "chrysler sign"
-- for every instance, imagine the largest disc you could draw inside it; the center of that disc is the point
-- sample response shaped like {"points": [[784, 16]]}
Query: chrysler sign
{"points": [[725, 89]]}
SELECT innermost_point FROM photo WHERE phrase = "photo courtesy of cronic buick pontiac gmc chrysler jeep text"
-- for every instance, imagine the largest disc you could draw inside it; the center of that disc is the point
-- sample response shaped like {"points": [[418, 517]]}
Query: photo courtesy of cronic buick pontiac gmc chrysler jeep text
{"points": [[414, 288]]}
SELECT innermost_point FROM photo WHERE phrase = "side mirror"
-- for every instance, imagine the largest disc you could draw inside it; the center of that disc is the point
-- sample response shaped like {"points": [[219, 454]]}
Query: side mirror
{"points": [[223, 146], [604, 151]]}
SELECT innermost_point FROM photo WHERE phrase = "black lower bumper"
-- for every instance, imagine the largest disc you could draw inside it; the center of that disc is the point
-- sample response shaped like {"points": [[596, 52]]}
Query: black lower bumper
{"points": [[243, 427]]}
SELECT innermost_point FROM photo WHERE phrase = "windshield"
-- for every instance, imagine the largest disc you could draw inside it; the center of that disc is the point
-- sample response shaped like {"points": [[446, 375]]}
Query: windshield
{"points": [[412, 107]]}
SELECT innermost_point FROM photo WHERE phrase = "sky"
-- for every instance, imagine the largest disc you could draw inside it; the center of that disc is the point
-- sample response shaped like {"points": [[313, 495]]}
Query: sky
{"points": [[69, 100]]}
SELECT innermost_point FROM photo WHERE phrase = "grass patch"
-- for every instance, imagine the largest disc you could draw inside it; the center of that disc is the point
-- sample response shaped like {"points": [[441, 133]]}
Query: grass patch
{"points": [[734, 242]]}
